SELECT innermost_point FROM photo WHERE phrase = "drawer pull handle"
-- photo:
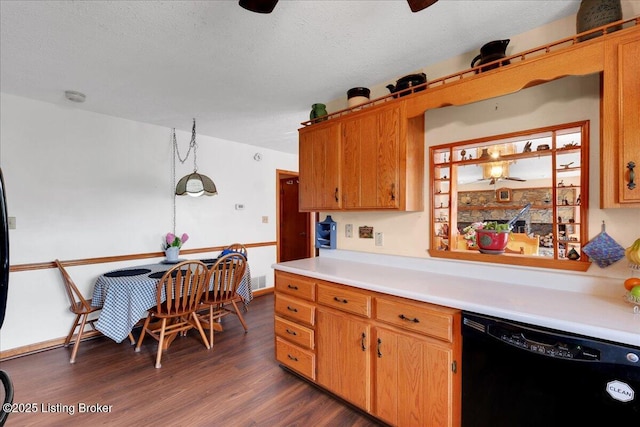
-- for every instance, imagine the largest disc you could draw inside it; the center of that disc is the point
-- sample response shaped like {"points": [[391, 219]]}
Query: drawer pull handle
{"points": [[295, 359], [295, 310], [294, 287], [379, 345], [342, 300], [363, 342], [408, 319], [632, 175], [290, 332]]}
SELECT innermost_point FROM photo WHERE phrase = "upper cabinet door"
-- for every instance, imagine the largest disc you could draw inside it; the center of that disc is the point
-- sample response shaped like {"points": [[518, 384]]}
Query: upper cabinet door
{"points": [[620, 142], [319, 168], [371, 160]]}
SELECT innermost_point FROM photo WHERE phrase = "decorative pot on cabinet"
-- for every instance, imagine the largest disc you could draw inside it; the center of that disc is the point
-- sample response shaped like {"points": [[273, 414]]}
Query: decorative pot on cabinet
{"points": [[490, 52], [318, 111], [357, 96], [406, 82], [596, 13]]}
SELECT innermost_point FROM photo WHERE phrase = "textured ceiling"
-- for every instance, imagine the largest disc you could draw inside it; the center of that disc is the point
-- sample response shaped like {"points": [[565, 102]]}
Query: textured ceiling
{"points": [[245, 77]]}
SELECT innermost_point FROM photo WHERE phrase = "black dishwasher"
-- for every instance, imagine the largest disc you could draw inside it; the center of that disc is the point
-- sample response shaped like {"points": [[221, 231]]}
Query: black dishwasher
{"points": [[518, 375]]}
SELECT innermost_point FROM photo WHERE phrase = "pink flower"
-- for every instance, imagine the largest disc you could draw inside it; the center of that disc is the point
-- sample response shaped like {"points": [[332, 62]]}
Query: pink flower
{"points": [[184, 237], [170, 238]]}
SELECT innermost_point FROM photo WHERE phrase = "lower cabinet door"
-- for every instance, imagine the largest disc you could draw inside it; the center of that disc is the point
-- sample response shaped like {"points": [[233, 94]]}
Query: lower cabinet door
{"points": [[344, 356], [414, 380]]}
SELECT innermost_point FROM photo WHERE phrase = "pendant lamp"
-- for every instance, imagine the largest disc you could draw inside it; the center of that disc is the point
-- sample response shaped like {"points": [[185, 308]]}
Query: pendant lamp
{"points": [[194, 184]]}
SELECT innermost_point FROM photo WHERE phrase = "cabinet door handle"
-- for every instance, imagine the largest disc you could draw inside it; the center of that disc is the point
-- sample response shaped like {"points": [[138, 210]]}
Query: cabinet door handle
{"points": [[393, 191], [295, 359], [379, 345], [342, 300], [336, 194], [632, 175], [363, 342], [295, 310], [290, 332], [409, 319], [295, 288]]}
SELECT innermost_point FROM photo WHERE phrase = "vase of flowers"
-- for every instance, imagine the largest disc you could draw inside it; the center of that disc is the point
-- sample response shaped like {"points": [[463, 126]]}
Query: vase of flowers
{"points": [[172, 245], [489, 237]]}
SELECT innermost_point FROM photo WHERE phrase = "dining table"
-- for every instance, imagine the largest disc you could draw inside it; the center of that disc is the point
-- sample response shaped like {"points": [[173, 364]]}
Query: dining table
{"points": [[125, 295]]}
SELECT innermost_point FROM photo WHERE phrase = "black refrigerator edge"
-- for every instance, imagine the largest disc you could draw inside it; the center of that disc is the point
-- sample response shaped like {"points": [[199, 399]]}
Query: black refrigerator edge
{"points": [[4, 250]]}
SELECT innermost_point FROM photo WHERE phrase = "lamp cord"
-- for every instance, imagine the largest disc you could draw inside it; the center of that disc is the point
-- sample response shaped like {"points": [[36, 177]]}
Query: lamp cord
{"points": [[192, 145]]}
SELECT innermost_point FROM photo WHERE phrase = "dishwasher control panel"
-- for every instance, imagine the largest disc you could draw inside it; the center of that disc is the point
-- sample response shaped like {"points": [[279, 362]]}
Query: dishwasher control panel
{"points": [[546, 344]]}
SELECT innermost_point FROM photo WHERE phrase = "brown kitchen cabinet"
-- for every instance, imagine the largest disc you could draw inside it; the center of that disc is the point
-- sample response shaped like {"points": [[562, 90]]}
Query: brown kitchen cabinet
{"points": [[375, 161], [620, 136], [295, 318], [381, 167], [319, 167], [417, 352], [392, 357]]}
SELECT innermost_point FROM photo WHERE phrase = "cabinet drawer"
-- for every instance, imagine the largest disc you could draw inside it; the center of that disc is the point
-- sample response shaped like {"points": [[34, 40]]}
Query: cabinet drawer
{"points": [[295, 309], [299, 286], [416, 317], [344, 299], [296, 358], [295, 333]]}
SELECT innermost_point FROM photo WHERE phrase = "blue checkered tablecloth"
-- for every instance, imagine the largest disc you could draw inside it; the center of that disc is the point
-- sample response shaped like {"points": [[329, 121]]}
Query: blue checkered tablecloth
{"points": [[125, 300]]}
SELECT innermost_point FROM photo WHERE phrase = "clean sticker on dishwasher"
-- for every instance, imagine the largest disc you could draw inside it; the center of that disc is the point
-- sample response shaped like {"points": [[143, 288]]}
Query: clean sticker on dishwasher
{"points": [[620, 391]]}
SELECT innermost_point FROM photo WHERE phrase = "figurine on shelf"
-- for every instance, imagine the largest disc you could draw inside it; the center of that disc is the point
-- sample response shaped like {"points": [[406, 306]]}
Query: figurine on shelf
{"points": [[578, 200], [527, 147]]}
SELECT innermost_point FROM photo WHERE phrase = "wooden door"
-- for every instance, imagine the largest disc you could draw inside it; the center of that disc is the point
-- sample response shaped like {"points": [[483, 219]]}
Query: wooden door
{"points": [[414, 380], [344, 357], [294, 226]]}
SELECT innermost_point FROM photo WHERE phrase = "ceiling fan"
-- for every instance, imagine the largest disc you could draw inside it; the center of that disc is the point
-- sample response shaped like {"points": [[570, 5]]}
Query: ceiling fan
{"points": [[495, 179], [267, 6]]}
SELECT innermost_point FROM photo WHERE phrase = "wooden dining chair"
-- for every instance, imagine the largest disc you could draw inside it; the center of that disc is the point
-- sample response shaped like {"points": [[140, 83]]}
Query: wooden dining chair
{"points": [[236, 247], [221, 293], [79, 306], [178, 295], [82, 308]]}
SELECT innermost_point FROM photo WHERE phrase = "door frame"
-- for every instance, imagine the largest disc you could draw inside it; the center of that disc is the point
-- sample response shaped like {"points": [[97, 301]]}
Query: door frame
{"points": [[283, 174]]}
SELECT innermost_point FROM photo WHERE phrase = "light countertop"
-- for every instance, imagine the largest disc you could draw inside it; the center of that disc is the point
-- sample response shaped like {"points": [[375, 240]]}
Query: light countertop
{"points": [[598, 316]]}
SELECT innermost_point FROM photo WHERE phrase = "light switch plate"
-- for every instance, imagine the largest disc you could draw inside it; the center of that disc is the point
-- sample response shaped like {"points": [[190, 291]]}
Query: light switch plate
{"points": [[348, 230], [379, 239], [12, 223]]}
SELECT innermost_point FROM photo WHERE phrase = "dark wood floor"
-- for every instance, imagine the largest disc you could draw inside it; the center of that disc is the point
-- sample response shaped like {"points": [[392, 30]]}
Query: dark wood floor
{"points": [[237, 383]]}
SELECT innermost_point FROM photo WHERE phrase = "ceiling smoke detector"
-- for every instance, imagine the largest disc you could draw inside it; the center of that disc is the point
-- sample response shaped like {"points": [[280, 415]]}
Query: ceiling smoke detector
{"points": [[74, 96]]}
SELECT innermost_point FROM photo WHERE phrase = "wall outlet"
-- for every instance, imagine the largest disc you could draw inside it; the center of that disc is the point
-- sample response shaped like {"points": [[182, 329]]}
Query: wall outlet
{"points": [[348, 230], [265, 219], [239, 206], [378, 237], [12, 223]]}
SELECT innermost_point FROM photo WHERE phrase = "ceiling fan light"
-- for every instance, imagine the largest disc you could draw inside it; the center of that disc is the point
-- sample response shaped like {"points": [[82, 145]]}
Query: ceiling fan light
{"points": [[258, 6], [196, 185]]}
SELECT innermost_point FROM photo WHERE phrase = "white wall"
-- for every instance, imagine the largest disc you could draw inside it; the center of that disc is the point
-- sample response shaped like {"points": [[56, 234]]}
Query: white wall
{"points": [[562, 101], [84, 185]]}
